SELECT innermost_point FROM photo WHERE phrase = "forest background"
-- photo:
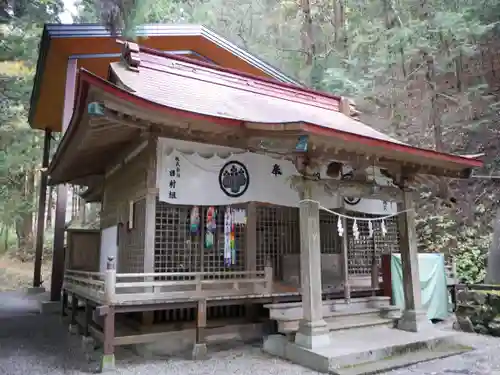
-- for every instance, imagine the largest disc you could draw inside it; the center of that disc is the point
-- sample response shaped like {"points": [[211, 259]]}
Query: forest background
{"points": [[424, 71]]}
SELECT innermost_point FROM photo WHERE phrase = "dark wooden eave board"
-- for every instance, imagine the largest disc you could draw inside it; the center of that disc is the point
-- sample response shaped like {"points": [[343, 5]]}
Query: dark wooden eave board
{"points": [[52, 31]]}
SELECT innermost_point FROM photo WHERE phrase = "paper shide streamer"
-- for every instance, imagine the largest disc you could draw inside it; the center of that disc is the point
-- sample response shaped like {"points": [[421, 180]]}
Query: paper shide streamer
{"points": [[355, 228]]}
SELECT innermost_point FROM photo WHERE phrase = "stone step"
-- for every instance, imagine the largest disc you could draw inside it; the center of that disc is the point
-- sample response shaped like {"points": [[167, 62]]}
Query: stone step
{"points": [[359, 322], [369, 350], [416, 346], [347, 319], [399, 361], [330, 308]]}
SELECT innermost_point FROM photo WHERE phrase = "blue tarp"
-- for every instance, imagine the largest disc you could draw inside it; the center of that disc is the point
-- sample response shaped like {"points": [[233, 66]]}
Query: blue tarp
{"points": [[432, 281]]}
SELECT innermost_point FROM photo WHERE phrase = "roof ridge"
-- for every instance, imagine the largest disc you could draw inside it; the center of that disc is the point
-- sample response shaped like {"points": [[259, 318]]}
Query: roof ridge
{"points": [[188, 60]]}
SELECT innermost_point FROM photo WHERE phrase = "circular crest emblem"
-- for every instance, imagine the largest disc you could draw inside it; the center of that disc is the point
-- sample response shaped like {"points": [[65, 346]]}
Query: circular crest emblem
{"points": [[350, 200], [234, 179]]}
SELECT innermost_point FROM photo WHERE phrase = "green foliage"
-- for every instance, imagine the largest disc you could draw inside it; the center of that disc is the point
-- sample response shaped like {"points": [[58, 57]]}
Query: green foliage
{"points": [[467, 244], [20, 146], [418, 70]]}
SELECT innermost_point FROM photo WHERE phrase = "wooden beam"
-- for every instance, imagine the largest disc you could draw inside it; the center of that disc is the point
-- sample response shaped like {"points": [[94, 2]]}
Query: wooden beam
{"points": [[127, 155], [42, 199], [58, 254], [355, 189], [201, 322]]}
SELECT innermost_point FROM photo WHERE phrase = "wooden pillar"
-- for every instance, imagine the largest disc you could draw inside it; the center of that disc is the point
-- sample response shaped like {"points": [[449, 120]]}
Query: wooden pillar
{"points": [[64, 303], [58, 246], [200, 346], [313, 331], [150, 222], [251, 237], [108, 357], [374, 269], [149, 248], [42, 203], [87, 319], [414, 317], [251, 252], [73, 325], [345, 258]]}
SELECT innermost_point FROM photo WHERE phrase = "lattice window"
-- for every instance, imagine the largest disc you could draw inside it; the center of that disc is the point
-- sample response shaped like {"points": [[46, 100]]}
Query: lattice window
{"points": [[360, 252], [213, 259], [178, 250], [278, 233], [331, 242]]}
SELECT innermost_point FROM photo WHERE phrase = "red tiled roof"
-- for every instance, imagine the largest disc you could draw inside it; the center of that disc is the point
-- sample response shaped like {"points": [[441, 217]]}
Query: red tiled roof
{"points": [[204, 89], [195, 89]]}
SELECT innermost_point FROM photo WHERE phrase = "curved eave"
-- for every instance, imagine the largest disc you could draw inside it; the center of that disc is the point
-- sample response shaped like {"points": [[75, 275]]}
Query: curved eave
{"points": [[461, 162], [58, 31], [427, 161]]}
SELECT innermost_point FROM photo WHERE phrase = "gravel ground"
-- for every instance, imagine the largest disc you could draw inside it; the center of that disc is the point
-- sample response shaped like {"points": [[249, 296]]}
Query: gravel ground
{"points": [[40, 345]]}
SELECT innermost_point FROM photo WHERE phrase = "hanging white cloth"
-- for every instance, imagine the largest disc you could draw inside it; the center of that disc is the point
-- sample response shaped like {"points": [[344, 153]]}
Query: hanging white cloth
{"points": [[190, 173]]}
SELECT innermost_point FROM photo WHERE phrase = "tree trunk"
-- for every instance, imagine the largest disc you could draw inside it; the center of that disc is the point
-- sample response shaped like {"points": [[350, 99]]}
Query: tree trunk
{"points": [[6, 238], [307, 39], [339, 14], [24, 224], [493, 267]]}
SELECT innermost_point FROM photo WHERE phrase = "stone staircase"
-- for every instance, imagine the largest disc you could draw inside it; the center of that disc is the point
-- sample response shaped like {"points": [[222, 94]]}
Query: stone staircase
{"points": [[362, 338], [338, 314]]}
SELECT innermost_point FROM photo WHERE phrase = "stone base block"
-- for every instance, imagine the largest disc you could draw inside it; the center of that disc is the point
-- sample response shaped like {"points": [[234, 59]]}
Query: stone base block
{"points": [[88, 343], [275, 345], [35, 290], [356, 352], [199, 351], [50, 307], [312, 335], [73, 329], [107, 363], [414, 321]]}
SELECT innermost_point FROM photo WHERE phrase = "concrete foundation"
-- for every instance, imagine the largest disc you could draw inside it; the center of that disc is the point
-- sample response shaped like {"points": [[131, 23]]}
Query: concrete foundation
{"points": [[50, 307], [349, 351], [88, 343], [199, 351], [73, 329], [414, 321], [35, 290], [313, 335]]}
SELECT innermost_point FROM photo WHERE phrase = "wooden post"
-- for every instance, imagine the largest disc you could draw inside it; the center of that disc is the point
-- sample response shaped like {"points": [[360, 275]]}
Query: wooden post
{"points": [[268, 275], [87, 319], [374, 270], [58, 252], [150, 222], [251, 237], [73, 325], [198, 279], [345, 258], [64, 303], [42, 200], [200, 346], [313, 331], [108, 358], [251, 253], [414, 317], [110, 281]]}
